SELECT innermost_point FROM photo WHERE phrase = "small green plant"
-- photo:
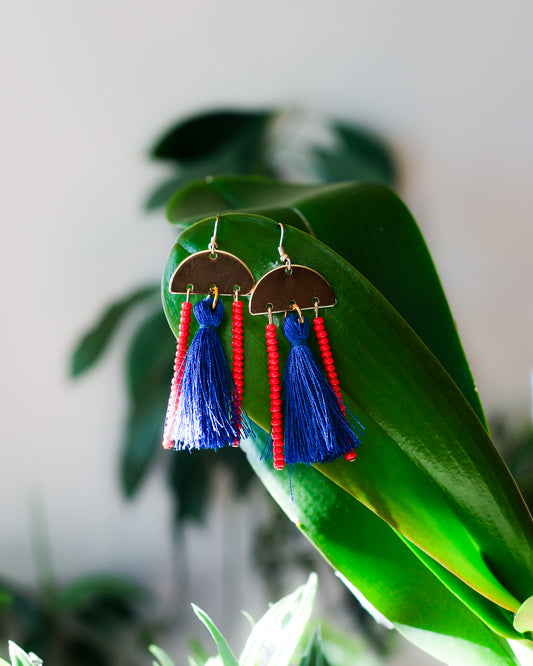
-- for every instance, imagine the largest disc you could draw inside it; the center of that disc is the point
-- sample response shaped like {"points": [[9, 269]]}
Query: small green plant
{"points": [[20, 658], [273, 641]]}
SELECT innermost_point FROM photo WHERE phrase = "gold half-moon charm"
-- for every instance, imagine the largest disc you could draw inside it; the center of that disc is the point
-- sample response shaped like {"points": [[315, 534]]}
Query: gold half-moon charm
{"points": [[199, 272], [278, 289]]}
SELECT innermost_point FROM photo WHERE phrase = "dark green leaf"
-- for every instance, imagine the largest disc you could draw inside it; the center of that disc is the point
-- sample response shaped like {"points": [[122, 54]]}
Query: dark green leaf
{"points": [[94, 343], [360, 156], [202, 135], [313, 653], [242, 475], [150, 361], [162, 193], [88, 589], [189, 480]]}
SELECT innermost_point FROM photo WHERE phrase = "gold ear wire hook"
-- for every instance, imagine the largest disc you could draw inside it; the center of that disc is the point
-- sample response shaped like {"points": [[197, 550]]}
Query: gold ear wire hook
{"points": [[214, 290], [296, 307], [284, 257], [213, 242]]}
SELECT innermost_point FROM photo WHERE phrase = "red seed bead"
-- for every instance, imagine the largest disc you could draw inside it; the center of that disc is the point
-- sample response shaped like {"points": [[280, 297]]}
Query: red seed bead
{"points": [[279, 464], [270, 327], [238, 304], [351, 456], [186, 305], [318, 320], [334, 382]]}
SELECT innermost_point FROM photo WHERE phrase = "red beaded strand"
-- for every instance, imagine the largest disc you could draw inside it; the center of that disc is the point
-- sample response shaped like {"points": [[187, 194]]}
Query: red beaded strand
{"points": [[275, 396], [238, 354], [181, 351], [329, 366]]}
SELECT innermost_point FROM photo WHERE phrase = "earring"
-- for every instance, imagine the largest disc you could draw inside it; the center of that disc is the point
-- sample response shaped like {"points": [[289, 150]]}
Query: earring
{"points": [[205, 404], [308, 416]]}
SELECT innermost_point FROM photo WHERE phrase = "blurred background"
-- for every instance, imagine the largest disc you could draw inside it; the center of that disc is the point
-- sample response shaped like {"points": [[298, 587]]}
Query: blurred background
{"points": [[87, 89]]}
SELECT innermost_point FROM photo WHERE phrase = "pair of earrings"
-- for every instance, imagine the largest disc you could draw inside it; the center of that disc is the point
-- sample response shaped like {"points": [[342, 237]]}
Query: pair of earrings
{"points": [[308, 417]]}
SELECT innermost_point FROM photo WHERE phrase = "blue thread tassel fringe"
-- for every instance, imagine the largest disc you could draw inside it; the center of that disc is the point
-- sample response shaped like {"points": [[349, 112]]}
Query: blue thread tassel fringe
{"points": [[316, 430], [208, 414]]}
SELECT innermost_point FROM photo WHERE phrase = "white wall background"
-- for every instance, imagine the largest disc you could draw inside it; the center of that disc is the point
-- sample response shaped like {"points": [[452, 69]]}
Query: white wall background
{"points": [[86, 86]]}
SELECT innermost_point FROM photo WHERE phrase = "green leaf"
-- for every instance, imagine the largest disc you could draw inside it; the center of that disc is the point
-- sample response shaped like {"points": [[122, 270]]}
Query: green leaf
{"points": [[150, 361], [94, 343], [202, 135], [361, 155], [313, 653], [18, 656], [188, 478], [427, 465], [367, 225], [279, 631], [374, 559], [523, 620], [161, 194], [88, 589], [162, 657], [226, 655]]}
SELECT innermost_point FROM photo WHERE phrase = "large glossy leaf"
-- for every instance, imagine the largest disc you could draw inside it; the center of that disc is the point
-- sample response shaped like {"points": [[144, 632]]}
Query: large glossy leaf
{"points": [[370, 227], [427, 465], [374, 559]]}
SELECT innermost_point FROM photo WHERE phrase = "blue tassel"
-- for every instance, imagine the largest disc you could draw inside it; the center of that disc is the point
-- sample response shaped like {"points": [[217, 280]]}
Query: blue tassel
{"points": [[316, 430], [208, 413]]}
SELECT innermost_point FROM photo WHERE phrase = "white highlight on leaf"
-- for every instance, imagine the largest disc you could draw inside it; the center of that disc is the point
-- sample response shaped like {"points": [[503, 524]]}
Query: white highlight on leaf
{"points": [[378, 617]]}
